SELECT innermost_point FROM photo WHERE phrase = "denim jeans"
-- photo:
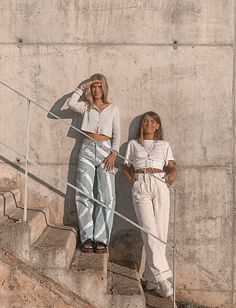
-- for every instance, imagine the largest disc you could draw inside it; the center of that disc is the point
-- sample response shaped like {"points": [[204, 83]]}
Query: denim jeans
{"points": [[95, 221]]}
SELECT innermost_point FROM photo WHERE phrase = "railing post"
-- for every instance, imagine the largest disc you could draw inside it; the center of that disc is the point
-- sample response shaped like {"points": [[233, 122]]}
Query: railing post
{"points": [[28, 114], [174, 250]]}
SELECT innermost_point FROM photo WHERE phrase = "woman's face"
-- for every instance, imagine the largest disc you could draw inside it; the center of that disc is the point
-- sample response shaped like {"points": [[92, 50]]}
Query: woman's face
{"points": [[149, 125], [96, 90]]}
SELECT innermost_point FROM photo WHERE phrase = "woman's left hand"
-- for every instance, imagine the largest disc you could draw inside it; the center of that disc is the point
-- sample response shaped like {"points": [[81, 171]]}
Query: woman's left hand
{"points": [[171, 172], [170, 178], [109, 161]]}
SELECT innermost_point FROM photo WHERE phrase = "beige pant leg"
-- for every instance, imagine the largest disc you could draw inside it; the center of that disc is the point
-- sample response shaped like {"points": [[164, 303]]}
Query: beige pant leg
{"points": [[161, 204], [149, 210]]}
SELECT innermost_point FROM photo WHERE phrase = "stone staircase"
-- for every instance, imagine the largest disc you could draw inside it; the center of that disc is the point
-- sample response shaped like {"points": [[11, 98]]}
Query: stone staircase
{"points": [[51, 249]]}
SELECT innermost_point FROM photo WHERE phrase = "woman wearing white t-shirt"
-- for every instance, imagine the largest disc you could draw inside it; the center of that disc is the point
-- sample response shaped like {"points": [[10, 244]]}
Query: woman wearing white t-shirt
{"points": [[149, 155]]}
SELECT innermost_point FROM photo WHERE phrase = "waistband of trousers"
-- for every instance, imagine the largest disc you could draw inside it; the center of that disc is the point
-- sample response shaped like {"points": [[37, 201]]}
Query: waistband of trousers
{"points": [[149, 170], [139, 176], [102, 144]]}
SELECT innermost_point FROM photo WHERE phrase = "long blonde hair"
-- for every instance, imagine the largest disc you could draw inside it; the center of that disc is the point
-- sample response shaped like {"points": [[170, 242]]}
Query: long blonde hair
{"points": [[88, 94], [158, 133]]}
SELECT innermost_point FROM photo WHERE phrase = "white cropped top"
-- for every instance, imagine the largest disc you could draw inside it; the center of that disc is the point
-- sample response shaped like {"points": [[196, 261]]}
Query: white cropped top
{"points": [[105, 122], [153, 154]]}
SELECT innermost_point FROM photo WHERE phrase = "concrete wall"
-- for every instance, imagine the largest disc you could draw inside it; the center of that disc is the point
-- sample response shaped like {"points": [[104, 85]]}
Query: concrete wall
{"points": [[48, 47]]}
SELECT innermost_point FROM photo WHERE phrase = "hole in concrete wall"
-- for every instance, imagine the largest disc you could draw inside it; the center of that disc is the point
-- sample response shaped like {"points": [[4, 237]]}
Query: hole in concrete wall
{"points": [[19, 42], [175, 44]]}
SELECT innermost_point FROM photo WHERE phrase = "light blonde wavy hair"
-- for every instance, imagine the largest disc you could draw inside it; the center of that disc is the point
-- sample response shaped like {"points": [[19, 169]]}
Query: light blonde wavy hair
{"points": [[88, 94]]}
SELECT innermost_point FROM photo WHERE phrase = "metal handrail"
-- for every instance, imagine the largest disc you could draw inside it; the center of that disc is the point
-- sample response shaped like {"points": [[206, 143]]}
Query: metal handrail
{"points": [[85, 194], [75, 128], [27, 161]]}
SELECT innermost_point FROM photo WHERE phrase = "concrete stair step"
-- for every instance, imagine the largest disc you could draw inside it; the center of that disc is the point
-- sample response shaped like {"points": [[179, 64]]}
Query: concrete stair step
{"points": [[124, 287], [154, 300], [9, 200], [54, 248], [36, 221], [17, 236], [87, 277], [24, 286]]}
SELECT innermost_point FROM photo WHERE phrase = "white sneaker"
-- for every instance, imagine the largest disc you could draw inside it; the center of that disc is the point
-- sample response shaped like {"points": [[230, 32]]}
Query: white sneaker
{"points": [[163, 288]]}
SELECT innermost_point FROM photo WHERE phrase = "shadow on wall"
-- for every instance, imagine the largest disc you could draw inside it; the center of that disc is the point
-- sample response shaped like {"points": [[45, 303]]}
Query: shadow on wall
{"points": [[70, 213], [126, 242], [123, 189]]}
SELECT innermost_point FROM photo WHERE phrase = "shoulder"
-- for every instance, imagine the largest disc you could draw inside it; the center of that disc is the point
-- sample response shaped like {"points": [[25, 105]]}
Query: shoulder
{"points": [[163, 143], [114, 107], [133, 143]]}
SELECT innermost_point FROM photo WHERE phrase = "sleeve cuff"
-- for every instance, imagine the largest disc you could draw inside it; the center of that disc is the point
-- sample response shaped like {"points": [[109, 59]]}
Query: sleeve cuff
{"points": [[79, 91]]}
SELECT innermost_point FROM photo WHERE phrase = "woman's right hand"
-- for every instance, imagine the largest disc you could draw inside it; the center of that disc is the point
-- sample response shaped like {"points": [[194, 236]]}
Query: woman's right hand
{"points": [[129, 174], [132, 181], [86, 84]]}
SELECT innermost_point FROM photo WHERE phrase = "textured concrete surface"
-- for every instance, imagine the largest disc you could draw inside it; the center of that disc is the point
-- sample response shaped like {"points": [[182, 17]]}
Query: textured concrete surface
{"points": [[35, 241], [9, 200], [204, 227], [121, 21], [154, 300], [23, 286], [55, 247], [87, 276], [206, 298], [192, 87], [124, 287]]}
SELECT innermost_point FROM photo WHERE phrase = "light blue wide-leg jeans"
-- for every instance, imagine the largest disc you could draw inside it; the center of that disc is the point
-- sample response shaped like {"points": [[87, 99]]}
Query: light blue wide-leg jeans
{"points": [[95, 221]]}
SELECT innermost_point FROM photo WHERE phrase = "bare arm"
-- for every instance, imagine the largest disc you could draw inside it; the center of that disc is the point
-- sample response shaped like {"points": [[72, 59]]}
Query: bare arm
{"points": [[128, 171], [73, 102]]}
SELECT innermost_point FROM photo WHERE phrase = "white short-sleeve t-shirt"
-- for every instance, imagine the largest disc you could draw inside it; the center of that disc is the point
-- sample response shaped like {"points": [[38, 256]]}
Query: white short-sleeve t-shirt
{"points": [[152, 154]]}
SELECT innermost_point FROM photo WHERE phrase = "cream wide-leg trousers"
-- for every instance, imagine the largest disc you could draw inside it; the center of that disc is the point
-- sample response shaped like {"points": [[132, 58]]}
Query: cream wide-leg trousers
{"points": [[151, 200]]}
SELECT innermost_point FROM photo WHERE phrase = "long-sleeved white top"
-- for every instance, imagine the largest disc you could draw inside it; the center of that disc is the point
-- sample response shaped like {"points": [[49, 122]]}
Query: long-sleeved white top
{"points": [[153, 154], [105, 122]]}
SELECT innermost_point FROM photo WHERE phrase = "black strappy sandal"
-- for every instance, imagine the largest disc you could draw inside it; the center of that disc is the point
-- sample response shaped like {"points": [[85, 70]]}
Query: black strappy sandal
{"points": [[87, 246], [100, 247]]}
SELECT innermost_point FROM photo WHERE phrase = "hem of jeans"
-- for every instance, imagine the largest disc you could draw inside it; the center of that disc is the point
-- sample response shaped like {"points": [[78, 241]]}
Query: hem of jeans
{"points": [[160, 277], [87, 238], [105, 241]]}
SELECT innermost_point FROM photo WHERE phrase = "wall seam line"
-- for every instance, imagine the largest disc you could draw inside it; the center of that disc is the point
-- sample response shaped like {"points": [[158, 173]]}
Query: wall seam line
{"points": [[24, 43], [233, 158]]}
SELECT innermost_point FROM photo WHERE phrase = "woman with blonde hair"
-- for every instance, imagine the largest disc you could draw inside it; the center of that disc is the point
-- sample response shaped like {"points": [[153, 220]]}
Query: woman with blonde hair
{"points": [[150, 194], [96, 159]]}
